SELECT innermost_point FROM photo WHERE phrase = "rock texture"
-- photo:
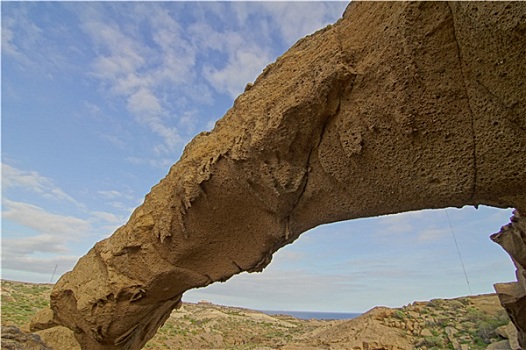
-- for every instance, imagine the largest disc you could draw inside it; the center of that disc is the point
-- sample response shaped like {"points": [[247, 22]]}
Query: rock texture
{"points": [[396, 107], [512, 238], [462, 323]]}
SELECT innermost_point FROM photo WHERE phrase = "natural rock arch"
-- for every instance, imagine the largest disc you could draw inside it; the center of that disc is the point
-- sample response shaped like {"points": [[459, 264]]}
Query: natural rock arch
{"points": [[396, 107]]}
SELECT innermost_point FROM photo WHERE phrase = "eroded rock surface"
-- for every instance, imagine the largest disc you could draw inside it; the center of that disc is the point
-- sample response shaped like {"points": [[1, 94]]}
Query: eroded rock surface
{"points": [[512, 238], [396, 107]]}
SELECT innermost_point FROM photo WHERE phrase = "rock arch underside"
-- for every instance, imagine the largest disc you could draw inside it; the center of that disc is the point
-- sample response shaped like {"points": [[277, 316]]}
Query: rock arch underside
{"points": [[398, 106]]}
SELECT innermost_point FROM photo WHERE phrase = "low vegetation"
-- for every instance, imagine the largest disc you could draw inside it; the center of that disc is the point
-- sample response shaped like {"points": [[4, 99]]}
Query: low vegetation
{"points": [[463, 323], [21, 301]]}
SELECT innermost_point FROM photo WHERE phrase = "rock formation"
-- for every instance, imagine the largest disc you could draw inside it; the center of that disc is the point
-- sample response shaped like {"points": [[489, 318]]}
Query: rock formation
{"points": [[14, 339], [396, 107], [512, 295]]}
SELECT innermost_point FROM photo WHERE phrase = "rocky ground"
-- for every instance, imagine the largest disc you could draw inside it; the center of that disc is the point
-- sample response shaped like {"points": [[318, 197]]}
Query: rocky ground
{"points": [[476, 322]]}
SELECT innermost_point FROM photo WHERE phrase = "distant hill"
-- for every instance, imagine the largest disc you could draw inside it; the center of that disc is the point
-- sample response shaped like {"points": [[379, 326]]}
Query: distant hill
{"points": [[477, 322]]}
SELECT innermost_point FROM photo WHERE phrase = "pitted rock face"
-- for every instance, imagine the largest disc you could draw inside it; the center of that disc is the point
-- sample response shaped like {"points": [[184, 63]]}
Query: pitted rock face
{"points": [[512, 238], [396, 107]]}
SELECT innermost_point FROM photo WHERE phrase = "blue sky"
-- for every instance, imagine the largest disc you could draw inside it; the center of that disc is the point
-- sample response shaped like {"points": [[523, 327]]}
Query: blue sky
{"points": [[99, 99]]}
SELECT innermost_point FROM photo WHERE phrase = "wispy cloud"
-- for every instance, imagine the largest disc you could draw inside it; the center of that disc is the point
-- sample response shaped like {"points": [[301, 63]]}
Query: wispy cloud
{"points": [[34, 182], [17, 35], [146, 74], [295, 20], [42, 221], [121, 201], [108, 217], [30, 180], [306, 291], [246, 55], [112, 194], [35, 240], [45, 243], [25, 40], [107, 222], [27, 263], [244, 64], [38, 240], [433, 234], [162, 163], [8, 45]]}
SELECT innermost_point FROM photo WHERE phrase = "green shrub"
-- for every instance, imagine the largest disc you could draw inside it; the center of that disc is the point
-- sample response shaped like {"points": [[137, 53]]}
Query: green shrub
{"points": [[399, 314], [434, 341], [435, 303]]}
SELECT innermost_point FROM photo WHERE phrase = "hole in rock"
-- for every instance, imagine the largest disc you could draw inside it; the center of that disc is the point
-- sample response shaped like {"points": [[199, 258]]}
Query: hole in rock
{"points": [[392, 260]]}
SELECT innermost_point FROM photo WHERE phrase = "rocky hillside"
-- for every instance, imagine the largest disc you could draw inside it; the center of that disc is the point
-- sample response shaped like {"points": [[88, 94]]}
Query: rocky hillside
{"points": [[464, 323]]}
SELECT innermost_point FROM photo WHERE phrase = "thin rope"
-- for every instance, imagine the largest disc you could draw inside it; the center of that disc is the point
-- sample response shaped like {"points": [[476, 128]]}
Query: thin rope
{"points": [[458, 251], [53, 275]]}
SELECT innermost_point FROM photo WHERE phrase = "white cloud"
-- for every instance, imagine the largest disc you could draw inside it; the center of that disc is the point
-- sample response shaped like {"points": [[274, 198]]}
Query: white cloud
{"points": [[295, 20], [248, 47], [246, 55], [111, 194], [27, 42], [44, 222], [46, 243], [163, 163], [108, 217], [115, 140], [30, 180], [278, 291], [177, 55], [18, 35], [8, 45], [144, 102], [242, 11], [433, 234], [109, 221], [32, 264], [42, 250], [147, 76], [34, 182], [244, 65], [188, 121], [153, 66]]}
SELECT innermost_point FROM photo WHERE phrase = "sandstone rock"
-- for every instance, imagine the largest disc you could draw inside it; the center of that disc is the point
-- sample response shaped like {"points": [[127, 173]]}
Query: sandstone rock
{"points": [[426, 333], [501, 345], [451, 332], [398, 106], [214, 340], [512, 238], [42, 320], [59, 338], [363, 332], [509, 332]]}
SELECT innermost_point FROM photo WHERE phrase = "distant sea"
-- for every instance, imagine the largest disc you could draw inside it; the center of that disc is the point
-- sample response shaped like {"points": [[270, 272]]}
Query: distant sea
{"points": [[308, 315]]}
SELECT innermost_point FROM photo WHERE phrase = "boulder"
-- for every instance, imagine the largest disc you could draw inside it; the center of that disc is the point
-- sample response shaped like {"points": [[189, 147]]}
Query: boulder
{"points": [[500, 345], [15, 339]]}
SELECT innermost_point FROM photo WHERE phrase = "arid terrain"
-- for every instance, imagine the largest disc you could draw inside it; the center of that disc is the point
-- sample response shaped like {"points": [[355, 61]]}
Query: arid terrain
{"points": [[476, 322]]}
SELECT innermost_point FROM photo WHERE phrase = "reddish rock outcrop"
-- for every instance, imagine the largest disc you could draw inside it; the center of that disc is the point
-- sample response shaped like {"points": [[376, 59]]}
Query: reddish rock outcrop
{"points": [[398, 106]]}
